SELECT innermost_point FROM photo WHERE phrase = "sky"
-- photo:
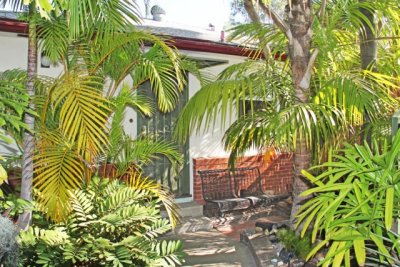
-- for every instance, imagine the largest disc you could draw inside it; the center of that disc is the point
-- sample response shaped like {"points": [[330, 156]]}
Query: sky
{"points": [[198, 13]]}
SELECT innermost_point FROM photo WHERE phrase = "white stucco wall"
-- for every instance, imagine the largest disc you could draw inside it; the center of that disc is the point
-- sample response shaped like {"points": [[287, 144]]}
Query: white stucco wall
{"points": [[13, 54]]}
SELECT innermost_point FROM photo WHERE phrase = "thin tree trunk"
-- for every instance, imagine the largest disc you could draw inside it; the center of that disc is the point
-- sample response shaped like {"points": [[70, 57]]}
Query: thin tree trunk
{"points": [[300, 37], [24, 219], [368, 44], [368, 56]]}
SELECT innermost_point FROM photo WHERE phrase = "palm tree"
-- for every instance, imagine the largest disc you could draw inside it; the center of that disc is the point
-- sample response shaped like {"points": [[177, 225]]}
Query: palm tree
{"points": [[73, 131], [81, 14], [94, 43], [28, 138], [304, 113]]}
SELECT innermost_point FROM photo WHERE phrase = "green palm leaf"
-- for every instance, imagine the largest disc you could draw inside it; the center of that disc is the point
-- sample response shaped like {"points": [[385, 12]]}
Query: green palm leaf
{"points": [[83, 112], [57, 170]]}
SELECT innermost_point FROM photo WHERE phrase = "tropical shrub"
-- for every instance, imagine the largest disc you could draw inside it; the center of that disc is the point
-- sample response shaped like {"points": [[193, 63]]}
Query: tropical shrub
{"points": [[8, 243], [356, 203], [111, 224], [14, 102], [293, 242]]}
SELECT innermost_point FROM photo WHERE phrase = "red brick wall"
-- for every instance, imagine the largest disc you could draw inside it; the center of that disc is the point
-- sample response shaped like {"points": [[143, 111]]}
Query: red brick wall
{"points": [[277, 173]]}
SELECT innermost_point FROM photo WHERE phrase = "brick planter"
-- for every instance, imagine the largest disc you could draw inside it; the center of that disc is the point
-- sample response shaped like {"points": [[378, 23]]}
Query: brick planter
{"points": [[277, 172]]}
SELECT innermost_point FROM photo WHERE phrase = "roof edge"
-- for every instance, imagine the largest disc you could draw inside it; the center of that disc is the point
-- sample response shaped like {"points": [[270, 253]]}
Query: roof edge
{"points": [[190, 44]]}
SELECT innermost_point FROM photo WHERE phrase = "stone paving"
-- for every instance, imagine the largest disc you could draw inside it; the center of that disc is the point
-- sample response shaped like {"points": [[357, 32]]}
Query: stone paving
{"points": [[216, 242]]}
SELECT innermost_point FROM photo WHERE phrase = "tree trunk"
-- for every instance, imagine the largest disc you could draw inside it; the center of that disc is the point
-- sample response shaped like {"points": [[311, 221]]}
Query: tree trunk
{"points": [[24, 219], [368, 44], [368, 56], [300, 37]]}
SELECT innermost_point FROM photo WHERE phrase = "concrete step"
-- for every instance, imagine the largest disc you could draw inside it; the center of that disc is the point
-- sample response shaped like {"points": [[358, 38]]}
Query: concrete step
{"points": [[191, 209]]}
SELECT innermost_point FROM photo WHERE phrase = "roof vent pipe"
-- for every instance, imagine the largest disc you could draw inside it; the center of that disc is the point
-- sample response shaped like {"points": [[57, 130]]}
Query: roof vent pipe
{"points": [[157, 12]]}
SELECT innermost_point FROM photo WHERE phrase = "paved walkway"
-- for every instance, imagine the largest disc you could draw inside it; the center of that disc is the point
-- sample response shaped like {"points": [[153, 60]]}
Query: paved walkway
{"points": [[214, 243], [214, 249]]}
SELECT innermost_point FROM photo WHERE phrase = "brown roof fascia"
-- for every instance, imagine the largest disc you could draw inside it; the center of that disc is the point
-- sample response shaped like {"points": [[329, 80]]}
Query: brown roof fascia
{"points": [[15, 26], [210, 46]]}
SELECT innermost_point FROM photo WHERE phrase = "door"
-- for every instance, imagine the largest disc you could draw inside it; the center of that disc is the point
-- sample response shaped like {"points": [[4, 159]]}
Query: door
{"points": [[162, 125]]}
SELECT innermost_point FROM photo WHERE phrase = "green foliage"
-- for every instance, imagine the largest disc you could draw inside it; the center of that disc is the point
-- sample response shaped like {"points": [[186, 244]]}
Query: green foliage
{"points": [[111, 224], [14, 102], [356, 202], [3, 176], [130, 155], [12, 205], [301, 246], [8, 243], [98, 46], [341, 95]]}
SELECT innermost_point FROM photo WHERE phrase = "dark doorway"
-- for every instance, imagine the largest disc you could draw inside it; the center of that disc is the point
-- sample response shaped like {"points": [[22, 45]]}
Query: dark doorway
{"points": [[161, 126]]}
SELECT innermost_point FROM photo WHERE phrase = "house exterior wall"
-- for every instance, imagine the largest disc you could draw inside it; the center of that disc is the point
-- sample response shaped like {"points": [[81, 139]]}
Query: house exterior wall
{"points": [[14, 55], [276, 174], [205, 149]]}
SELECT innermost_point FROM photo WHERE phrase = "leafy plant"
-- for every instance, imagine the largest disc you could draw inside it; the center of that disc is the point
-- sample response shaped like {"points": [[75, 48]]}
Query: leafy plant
{"points": [[12, 205], [111, 224], [356, 203], [8, 243], [3, 177], [14, 101], [300, 246], [128, 155]]}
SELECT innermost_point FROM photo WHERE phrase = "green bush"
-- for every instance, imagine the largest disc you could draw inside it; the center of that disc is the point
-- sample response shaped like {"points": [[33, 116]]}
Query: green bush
{"points": [[355, 205], [8, 243], [110, 224], [300, 246]]}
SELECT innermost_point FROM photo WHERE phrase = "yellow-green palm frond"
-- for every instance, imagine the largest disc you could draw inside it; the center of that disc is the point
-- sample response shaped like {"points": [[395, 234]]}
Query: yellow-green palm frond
{"points": [[14, 101], [356, 93], [313, 123], [100, 19], [53, 38], [250, 80], [136, 180], [160, 65], [83, 111], [145, 149], [58, 169], [260, 36]]}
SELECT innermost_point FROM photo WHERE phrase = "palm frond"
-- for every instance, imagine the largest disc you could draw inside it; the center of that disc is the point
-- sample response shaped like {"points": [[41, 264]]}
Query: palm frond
{"points": [[100, 19], [53, 38], [309, 122], [251, 80], [157, 67], [14, 101], [144, 150], [260, 36], [136, 181], [83, 111], [58, 169]]}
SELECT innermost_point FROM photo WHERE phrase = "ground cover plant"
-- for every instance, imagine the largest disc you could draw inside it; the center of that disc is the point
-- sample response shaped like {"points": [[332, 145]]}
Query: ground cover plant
{"points": [[355, 205], [110, 224]]}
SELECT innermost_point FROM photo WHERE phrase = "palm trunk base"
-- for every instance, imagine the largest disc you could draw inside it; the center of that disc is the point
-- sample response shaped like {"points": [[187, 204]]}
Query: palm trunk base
{"points": [[300, 184]]}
